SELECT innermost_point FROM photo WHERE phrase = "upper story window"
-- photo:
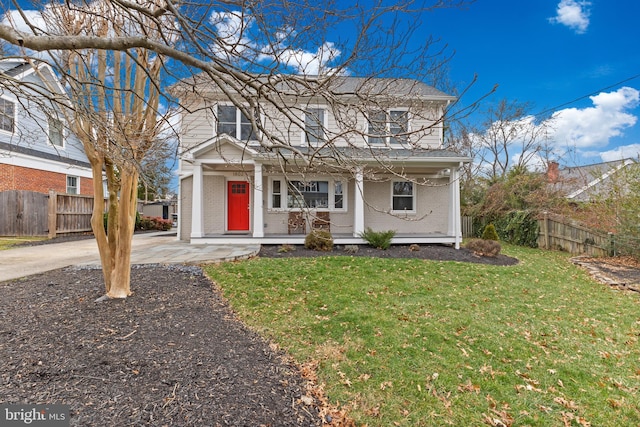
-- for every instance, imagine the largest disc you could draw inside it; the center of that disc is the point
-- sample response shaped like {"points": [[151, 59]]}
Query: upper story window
{"points": [[314, 125], [388, 127], [233, 122], [7, 115], [403, 196], [56, 132]]}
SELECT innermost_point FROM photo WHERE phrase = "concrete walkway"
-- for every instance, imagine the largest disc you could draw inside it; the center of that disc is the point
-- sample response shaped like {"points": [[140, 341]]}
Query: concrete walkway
{"points": [[148, 248]]}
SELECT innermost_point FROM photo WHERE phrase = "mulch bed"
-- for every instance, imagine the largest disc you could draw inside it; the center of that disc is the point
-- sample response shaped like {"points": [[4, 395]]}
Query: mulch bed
{"points": [[173, 354]]}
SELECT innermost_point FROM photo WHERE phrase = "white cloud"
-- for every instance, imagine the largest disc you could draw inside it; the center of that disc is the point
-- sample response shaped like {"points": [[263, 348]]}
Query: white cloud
{"points": [[593, 127], [574, 14], [231, 28], [622, 152], [310, 63]]}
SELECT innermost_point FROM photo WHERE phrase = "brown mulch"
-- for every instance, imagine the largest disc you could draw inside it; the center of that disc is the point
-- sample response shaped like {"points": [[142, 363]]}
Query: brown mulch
{"points": [[173, 354], [619, 272]]}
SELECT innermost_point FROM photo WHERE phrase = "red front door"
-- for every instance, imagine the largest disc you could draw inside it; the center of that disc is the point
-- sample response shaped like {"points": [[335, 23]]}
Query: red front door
{"points": [[238, 206]]}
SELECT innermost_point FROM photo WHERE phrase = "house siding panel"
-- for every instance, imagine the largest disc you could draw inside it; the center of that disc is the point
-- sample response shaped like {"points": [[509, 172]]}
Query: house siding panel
{"points": [[214, 204], [197, 127], [432, 205]]}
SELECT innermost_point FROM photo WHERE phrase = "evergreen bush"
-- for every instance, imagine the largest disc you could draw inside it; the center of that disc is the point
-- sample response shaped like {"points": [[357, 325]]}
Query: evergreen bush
{"points": [[378, 239], [490, 233]]}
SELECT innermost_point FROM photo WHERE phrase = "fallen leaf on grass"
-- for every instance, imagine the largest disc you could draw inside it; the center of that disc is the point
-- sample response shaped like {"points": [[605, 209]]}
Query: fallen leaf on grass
{"points": [[569, 404]]}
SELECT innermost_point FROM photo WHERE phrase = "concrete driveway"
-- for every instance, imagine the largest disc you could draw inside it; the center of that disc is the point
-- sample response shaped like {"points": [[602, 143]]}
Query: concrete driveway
{"points": [[148, 248]]}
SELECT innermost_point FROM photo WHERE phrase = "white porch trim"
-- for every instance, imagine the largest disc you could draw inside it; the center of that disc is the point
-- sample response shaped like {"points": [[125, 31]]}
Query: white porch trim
{"points": [[197, 199], [455, 226], [358, 208], [258, 204]]}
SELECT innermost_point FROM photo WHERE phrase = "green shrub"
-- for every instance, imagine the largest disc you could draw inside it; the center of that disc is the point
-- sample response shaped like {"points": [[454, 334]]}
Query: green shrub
{"points": [[490, 233], [484, 247], [319, 240], [378, 239]]}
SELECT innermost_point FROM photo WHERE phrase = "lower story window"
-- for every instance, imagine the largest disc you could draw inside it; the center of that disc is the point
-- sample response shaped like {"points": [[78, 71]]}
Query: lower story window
{"points": [[319, 194], [73, 184], [403, 197]]}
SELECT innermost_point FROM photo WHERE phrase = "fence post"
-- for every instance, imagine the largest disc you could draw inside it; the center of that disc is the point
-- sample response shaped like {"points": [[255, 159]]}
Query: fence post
{"points": [[52, 213], [612, 244]]}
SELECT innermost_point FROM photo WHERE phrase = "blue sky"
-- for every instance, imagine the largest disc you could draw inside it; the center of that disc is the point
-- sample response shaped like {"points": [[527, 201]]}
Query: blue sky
{"points": [[550, 53], [577, 61]]}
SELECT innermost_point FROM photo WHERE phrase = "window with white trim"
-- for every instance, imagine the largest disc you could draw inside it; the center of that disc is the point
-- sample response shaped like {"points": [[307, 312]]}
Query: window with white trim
{"points": [[7, 115], [403, 196], [73, 184], [314, 124], [233, 122], [317, 194], [388, 127], [56, 132]]}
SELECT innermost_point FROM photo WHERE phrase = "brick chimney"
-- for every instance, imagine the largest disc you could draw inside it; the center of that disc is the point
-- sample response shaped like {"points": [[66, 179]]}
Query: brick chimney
{"points": [[553, 172]]}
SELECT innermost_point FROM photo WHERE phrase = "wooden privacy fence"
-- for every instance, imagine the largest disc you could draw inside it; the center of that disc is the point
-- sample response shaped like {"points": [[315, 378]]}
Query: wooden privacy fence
{"points": [[23, 213], [467, 226], [557, 232], [27, 213]]}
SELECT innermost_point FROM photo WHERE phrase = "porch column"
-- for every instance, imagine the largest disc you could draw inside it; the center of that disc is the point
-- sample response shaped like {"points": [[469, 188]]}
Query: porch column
{"points": [[454, 206], [358, 208], [197, 210], [258, 221]]}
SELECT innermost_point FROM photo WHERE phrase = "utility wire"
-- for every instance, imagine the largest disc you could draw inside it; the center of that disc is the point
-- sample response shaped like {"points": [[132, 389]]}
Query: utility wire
{"points": [[557, 107]]}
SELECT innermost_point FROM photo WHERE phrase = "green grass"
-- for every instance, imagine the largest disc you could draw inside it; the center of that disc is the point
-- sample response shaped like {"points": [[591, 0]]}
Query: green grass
{"points": [[9, 242], [422, 343]]}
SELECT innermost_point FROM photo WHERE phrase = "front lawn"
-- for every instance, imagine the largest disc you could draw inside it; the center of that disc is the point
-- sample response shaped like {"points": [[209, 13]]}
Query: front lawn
{"points": [[424, 343], [9, 242]]}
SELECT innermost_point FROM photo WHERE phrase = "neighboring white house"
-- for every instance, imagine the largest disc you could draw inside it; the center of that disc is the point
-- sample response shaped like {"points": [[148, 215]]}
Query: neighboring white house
{"points": [[383, 166], [37, 152]]}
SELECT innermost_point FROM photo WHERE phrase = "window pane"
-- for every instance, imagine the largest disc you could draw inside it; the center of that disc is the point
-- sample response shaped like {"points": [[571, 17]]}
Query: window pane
{"points": [[398, 125], [314, 122], [227, 113], [227, 120], [312, 194], [377, 127], [7, 115], [403, 203], [337, 195], [246, 132], [55, 132], [276, 194], [402, 188]]}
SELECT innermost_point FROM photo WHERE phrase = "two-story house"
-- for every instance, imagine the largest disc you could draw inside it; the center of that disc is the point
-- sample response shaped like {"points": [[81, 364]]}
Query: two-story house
{"points": [[375, 147], [37, 152]]}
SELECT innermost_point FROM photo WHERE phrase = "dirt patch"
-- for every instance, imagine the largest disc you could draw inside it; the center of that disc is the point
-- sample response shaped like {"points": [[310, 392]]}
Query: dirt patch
{"points": [[619, 272], [173, 354]]}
